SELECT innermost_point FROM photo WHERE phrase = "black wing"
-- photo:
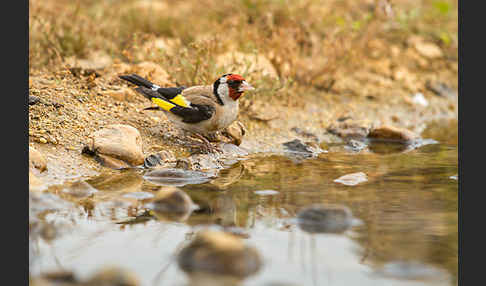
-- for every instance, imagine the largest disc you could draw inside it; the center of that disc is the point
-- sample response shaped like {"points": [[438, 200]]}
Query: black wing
{"points": [[193, 114]]}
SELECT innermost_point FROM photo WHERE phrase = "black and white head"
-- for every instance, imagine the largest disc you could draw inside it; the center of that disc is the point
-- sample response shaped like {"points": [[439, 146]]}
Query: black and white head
{"points": [[230, 87]]}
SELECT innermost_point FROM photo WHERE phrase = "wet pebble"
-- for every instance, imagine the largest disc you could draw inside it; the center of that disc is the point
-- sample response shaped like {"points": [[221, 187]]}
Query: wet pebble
{"points": [[33, 99], [266, 192], [172, 204], [352, 179], [176, 177], [219, 253], [355, 145], [111, 276], [325, 219], [349, 130], [393, 134]]}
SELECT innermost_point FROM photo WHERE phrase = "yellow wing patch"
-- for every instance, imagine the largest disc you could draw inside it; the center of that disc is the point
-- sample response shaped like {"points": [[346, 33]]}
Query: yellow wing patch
{"points": [[180, 100], [165, 105]]}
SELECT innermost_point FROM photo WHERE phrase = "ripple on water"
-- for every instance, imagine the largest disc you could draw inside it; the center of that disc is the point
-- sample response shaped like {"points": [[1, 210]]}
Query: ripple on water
{"points": [[176, 177]]}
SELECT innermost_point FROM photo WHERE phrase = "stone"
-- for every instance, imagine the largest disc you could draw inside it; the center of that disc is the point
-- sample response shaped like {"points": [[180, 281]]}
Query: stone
{"points": [[428, 50], [111, 162], [352, 179], [118, 141], [392, 133], [172, 204], [325, 219], [113, 276], [219, 253], [37, 160], [33, 99], [176, 177], [235, 131], [349, 130]]}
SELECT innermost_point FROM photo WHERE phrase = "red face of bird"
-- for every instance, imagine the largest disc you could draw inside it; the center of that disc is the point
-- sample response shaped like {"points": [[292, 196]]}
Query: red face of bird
{"points": [[236, 85]]}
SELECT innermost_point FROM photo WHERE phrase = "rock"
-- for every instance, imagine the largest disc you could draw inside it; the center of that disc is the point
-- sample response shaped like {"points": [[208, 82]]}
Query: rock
{"points": [[352, 179], [35, 184], [242, 63], [172, 203], [118, 141], [392, 133], [236, 131], [325, 219], [296, 145], [419, 99], [355, 145], [37, 160], [183, 164], [219, 253], [110, 276], [152, 161], [428, 50], [440, 89], [266, 192], [33, 99], [111, 162], [158, 159], [176, 177], [305, 134], [349, 130]]}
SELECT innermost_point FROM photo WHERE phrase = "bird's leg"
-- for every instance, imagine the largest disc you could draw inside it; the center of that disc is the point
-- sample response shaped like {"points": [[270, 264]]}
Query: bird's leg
{"points": [[208, 145]]}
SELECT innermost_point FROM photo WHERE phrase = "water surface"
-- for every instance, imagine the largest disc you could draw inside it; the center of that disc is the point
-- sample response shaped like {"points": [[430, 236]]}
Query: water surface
{"points": [[406, 235]]}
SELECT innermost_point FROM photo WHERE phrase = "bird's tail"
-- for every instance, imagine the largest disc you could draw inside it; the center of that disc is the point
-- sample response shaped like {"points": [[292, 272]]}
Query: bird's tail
{"points": [[156, 98], [137, 80]]}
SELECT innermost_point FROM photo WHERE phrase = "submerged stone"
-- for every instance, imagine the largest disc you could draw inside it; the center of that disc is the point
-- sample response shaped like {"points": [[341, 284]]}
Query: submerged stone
{"points": [[325, 219], [219, 253], [176, 177], [352, 179], [111, 276], [172, 204]]}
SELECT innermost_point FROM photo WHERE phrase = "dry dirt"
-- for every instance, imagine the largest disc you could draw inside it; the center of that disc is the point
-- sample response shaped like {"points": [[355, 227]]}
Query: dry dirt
{"points": [[75, 103]]}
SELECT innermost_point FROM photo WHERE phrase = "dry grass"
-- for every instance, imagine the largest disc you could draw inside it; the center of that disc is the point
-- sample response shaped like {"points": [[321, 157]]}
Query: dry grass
{"points": [[306, 41]]}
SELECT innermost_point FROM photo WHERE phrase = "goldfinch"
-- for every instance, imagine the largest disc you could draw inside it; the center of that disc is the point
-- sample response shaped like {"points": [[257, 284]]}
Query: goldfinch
{"points": [[201, 110]]}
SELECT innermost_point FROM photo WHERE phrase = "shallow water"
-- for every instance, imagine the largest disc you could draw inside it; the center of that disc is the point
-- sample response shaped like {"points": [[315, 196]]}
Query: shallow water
{"points": [[404, 232]]}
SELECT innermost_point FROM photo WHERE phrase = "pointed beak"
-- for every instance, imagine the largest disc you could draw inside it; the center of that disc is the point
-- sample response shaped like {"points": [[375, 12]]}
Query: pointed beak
{"points": [[245, 86]]}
